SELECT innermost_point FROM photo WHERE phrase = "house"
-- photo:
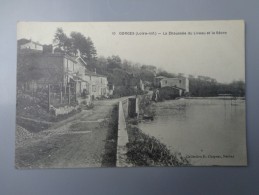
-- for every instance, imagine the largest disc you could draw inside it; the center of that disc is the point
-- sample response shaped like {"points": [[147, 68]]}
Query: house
{"points": [[157, 81], [57, 68], [111, 88], [31, 45], [179, 83], [98, 84], [68, 71]]}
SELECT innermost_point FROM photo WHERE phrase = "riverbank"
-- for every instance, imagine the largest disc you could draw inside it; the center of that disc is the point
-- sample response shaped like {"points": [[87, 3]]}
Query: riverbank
{"points": [[146, 150], [203, 126], [218, 98]]}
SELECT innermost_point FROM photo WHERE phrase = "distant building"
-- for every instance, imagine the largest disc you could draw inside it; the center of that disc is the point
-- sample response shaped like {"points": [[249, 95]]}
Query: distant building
{"points": [[31, 45], [180, 83], [157, 81], [111, 88]]}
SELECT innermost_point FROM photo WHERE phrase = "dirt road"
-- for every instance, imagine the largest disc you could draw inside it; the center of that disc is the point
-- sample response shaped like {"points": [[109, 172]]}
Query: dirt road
{"points": [[87, 139]]}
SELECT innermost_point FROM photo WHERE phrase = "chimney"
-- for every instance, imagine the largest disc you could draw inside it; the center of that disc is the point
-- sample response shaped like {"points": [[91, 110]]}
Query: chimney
{"points": [[53, 48], [78, 53]]}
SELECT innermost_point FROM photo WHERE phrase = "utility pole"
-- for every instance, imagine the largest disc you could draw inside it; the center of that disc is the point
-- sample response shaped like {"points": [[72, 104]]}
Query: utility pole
{"points": [[68, 93], [48, 97]]}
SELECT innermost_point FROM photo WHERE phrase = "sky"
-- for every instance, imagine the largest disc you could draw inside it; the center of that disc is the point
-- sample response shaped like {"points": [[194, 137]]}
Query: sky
{"points": [[207, 48]]}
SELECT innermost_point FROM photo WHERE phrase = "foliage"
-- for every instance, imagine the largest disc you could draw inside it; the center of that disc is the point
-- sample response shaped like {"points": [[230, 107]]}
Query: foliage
{"points": [[144, 150], [84, 45], [77, 42], [47, 48], [166, 74], [27, 70], [168, 93], [62, 41], [202, 87]]}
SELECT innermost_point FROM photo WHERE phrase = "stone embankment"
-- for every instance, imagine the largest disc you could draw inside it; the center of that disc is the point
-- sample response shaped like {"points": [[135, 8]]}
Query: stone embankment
{"points": [[122, 136], [135, 148]]}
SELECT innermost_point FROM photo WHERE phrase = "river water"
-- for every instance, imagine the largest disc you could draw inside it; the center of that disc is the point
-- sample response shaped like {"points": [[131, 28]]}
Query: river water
{"points": [[206, 131]]}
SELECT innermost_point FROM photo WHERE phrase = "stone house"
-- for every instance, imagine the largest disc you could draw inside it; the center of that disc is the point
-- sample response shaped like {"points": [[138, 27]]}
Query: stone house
{"points": [[157, 81], [58, 68], [31, 45], [178, 83], [98, 84], [53, 69]]}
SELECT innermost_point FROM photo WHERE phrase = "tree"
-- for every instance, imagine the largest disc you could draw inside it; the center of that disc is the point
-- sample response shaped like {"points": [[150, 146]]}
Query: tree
{"points": [[237, 88], [27, 69], [166, 74], [84, 45], [113, 62], [100, 64], [76, 44], [47, 48], [61, 41]]}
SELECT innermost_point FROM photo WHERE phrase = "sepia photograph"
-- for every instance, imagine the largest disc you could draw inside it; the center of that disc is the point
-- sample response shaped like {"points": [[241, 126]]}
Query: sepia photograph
{"points": [[130, 94]]}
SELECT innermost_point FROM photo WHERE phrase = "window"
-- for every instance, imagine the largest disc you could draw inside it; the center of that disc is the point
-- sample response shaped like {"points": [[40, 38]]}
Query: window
{"points": [[94, 88]]}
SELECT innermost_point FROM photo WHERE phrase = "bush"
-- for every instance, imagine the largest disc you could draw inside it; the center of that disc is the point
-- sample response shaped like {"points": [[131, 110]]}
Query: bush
{"points": [[144, 150]]}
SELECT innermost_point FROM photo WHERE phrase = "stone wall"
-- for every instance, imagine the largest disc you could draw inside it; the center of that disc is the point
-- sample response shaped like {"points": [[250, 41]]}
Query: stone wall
{"points": [[63, 110], [123, 114]]}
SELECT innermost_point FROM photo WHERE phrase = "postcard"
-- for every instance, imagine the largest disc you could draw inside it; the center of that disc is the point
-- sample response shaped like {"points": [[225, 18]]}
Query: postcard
{"points": [[130, 94]]}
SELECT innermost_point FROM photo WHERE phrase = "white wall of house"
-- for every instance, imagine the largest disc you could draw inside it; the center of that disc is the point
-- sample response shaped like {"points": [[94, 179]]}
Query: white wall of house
{"points": [[98, 85], [182, 83], [69, 65], [32, 45]]}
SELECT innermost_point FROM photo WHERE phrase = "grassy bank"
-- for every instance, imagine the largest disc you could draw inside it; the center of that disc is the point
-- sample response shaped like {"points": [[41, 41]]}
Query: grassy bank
{"points": [[144, 150], [145, 106]]}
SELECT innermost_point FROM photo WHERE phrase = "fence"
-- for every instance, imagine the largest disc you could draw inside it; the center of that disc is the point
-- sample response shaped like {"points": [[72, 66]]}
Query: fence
{"points": [[56, 95]]}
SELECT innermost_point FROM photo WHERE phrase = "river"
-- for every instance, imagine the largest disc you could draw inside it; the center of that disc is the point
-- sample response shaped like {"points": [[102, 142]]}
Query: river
{"points": [[206, 131]]}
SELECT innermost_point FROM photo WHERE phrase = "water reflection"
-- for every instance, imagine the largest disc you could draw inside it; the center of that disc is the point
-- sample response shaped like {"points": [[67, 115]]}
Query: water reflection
{"points": [[207, 127]]}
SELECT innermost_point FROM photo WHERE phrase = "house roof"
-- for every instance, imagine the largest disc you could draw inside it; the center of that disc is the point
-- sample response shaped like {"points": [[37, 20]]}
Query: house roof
{"points": [[79, 79], [160, 77], [23, 41], [30, 41], [81, 59], [170, 79], [173, 87], [72, 58], [93, 74]]}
